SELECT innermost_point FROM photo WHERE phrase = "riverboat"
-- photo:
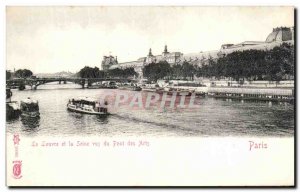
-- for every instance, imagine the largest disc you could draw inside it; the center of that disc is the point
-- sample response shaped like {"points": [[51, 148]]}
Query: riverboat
{"points": [[185, 88], [104, 85], [87, 105], [12, 107], [171, 91], [168, 91], [29, 108], [192, 87], [149, 89], [131, 87]]}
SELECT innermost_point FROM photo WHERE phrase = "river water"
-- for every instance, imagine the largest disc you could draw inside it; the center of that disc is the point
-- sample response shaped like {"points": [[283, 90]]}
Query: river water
{"points": [[212, 117]]}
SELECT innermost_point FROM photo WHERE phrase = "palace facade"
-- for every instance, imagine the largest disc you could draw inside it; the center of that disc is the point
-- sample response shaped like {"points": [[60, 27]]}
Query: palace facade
{"points": [[278, 36]]}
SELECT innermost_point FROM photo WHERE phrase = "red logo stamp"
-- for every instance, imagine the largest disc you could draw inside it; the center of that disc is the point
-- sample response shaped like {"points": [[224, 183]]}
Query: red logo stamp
{"points": [[17, 169], [16, 139]]}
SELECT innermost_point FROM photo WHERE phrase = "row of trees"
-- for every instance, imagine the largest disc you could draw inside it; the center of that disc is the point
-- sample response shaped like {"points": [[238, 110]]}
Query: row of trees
{"points": [[163, 70], [23, 73], [20, 73], [275, 64], [89, 72]]}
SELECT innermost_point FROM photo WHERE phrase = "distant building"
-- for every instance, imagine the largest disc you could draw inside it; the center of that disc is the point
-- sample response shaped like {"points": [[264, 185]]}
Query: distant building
{"points": [[108, 61], [278, 36]]}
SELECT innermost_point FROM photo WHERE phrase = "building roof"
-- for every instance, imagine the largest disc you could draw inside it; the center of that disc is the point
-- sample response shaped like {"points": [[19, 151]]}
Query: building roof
{"points": [[89, 99], [29, 100], [201, 55], [280, 34]]}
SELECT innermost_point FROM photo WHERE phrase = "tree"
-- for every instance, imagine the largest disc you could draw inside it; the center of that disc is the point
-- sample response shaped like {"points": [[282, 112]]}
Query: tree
{"points": [[130, 72], [280, 62], [88, 72], [23, 73], [188, 70], [176, 71], [274, 64], [8, 75], [155, 71]]}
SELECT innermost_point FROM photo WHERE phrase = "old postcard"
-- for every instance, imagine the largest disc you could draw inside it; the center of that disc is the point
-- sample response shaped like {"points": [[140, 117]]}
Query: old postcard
{"points": [[150, 96]]}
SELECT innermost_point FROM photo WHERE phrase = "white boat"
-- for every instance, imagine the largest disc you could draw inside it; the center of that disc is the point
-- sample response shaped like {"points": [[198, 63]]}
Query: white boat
{"points": [[87, 105], [29, 108]]}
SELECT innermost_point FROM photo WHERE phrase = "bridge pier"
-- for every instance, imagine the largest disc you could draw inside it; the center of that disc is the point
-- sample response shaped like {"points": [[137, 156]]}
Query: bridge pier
{"points": [[65, 82], [33, 87], [89, 83], [21, 86], [82, 83]]}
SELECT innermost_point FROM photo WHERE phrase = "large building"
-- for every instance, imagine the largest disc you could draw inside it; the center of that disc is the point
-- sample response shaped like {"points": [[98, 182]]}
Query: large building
{"points": [[110, 62], [278, 36]]}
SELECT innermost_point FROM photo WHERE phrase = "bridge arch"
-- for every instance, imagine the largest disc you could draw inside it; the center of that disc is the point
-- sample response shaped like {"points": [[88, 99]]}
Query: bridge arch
{"points": [[37, 82]]}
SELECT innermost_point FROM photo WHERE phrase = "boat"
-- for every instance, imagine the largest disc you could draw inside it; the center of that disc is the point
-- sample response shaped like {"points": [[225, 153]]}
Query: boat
{"points": [[136, 88], [104, 85], [192, 87], [201, 94], [12, 110], [171, 91], [131, 87], [29, 108], [185, 88], [12, 107], [87, 105], [149, 89]]}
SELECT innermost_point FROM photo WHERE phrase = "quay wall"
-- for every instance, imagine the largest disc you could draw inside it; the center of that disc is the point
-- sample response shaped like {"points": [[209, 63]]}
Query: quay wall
{"points": [[256, 84], [266, 94], [259, 91]]}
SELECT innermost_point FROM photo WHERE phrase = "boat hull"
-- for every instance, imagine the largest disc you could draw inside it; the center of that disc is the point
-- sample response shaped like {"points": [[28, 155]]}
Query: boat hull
{"points": [[12, 110], [80, 110], [32, 114], [130, 88]]}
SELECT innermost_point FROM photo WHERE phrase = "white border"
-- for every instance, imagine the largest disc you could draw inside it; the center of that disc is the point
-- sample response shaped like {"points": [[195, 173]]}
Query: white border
{"points": [[4, 3]]}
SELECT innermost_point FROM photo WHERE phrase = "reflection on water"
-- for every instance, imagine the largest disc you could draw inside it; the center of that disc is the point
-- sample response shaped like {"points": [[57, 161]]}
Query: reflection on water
{"points": [[102, 119], [212, 117], [30, 122]]}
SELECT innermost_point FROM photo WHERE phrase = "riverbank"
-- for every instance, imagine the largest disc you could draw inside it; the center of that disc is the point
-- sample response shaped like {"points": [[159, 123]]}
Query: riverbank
{"points": [[283, 94]]}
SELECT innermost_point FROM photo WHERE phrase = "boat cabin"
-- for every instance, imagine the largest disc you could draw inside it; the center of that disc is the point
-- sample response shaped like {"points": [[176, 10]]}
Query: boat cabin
{"points": [[29, 105], [87, 105]]}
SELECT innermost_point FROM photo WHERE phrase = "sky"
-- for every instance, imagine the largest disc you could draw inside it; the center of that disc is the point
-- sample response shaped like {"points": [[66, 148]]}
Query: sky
{"points": [[66, 38]]}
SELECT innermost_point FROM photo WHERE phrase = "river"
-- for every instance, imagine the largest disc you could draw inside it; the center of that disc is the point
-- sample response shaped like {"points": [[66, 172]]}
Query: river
{"points": [[212, 117]]}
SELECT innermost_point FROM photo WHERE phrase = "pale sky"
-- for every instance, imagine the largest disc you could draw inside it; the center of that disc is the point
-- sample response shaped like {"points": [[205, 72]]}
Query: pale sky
{"points": [[54, 39]]}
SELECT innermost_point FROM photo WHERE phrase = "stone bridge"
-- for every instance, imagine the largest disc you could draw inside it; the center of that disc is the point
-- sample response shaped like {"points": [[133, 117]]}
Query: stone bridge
{"points": [[35, 82]]}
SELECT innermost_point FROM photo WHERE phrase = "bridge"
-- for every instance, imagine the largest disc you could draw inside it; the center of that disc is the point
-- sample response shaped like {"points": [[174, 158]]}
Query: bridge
{"points": [[35, 82]]}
